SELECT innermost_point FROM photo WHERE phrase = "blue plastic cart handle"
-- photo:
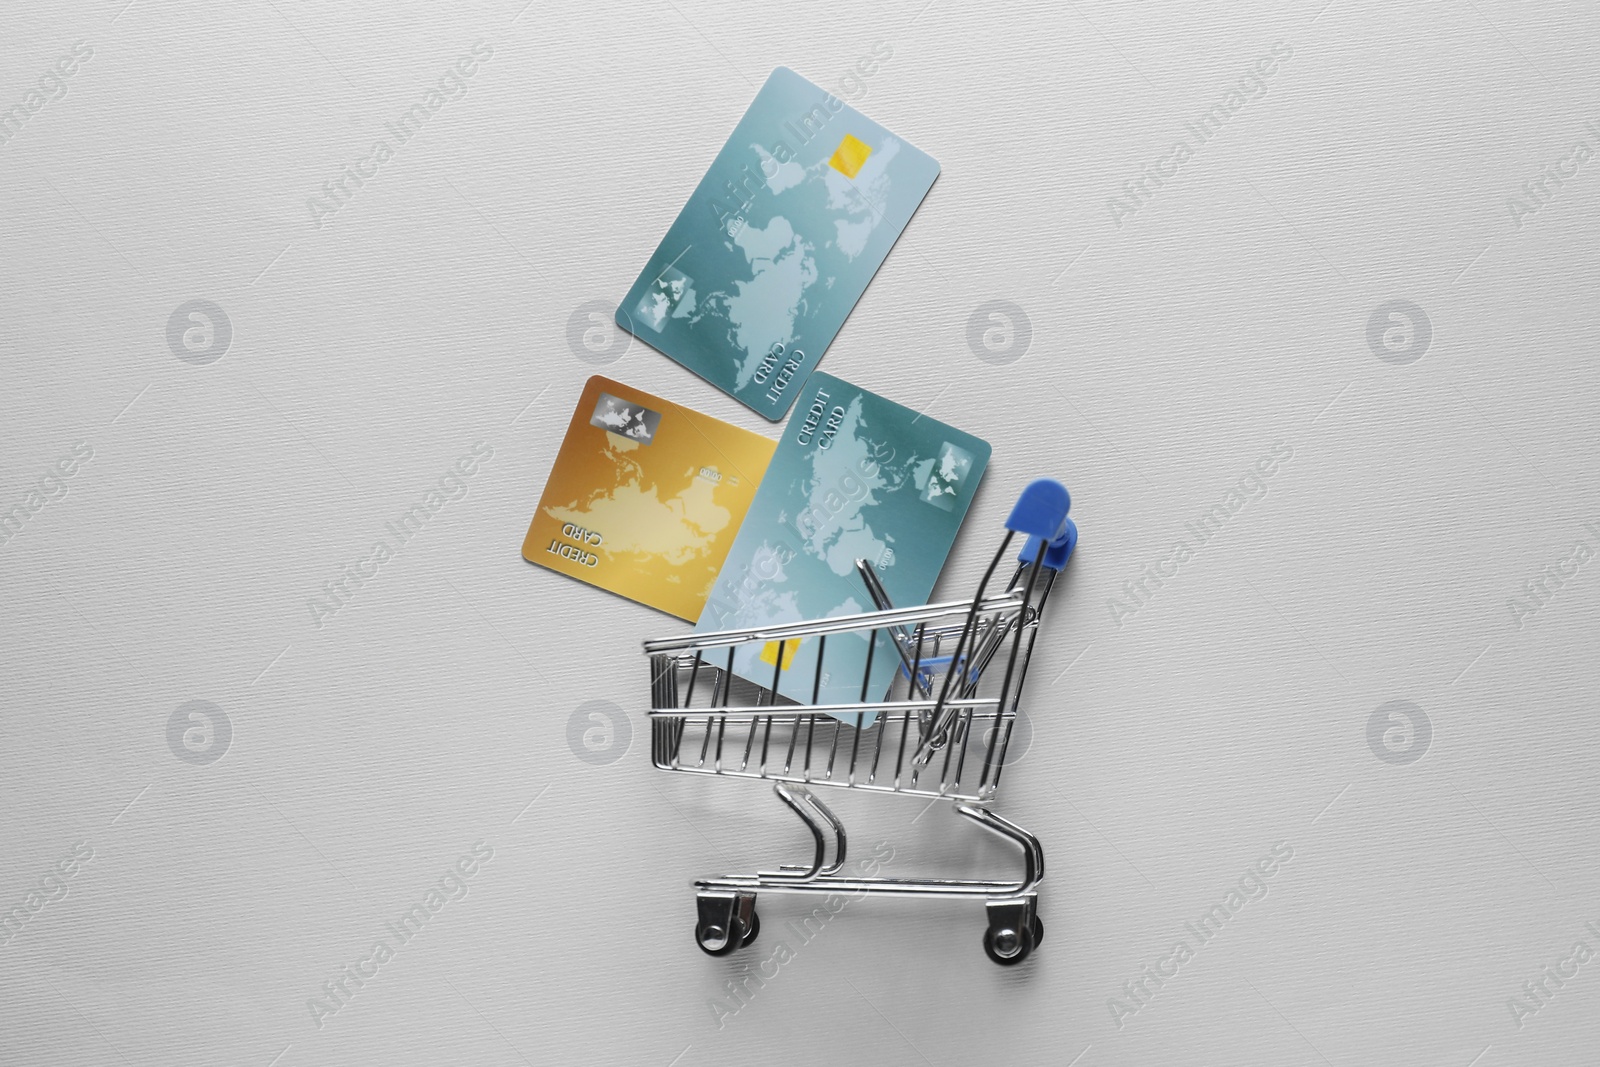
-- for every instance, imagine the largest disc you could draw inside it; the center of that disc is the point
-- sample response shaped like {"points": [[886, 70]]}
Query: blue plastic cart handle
{"points": [[1041, 510], [1059, 551], [1041, 513]]}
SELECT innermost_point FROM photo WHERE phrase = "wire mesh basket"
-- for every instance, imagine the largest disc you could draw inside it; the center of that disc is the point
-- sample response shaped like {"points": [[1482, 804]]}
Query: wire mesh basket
{"points": [[940, 730]]}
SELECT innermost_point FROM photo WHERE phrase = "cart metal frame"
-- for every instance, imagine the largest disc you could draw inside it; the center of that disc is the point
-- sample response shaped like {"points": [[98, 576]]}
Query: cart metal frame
{"points": [[946, 720]]}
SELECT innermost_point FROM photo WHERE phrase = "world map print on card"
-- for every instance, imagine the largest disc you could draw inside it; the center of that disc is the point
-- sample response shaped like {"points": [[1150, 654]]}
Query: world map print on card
{"points": [[777, 243], [855, 476], [645, 497]]}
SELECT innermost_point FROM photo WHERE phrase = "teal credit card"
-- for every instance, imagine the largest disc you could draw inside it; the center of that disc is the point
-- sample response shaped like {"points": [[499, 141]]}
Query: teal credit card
{"points": [[777, 243], [854, 477]]}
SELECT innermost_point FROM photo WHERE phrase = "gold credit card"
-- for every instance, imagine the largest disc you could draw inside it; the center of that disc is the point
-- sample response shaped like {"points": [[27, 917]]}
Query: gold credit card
{"points": [[645, 497]]}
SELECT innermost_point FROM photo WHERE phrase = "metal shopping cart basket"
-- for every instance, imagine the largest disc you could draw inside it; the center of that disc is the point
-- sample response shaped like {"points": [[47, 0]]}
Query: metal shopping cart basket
{"points": [[941, 732]]}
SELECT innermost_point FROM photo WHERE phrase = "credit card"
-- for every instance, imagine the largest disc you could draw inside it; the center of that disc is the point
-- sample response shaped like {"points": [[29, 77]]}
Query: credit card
{"points": [[645, 497], [777, 243], [855, 476]]}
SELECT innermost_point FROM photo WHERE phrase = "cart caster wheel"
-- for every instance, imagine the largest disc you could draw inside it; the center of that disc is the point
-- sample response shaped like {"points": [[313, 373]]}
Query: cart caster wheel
{"points": [[1010, 947], [714, 941], [720, 931]]}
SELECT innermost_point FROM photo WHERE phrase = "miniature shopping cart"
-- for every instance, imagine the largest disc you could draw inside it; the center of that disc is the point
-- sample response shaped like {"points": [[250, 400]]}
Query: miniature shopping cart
{"points": [[940, 732]]}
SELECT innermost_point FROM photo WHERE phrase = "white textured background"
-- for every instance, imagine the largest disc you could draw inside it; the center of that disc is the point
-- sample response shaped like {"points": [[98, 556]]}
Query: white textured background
{"points": [[1228, 713]]}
